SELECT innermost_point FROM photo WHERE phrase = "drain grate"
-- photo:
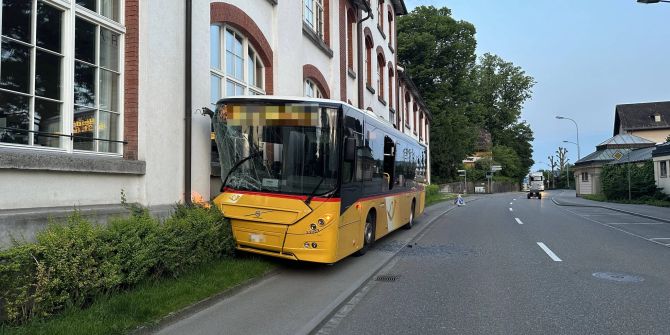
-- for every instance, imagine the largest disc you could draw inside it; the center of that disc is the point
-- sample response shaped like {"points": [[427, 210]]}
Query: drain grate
{"points": [[618, 277], [387, 278]]}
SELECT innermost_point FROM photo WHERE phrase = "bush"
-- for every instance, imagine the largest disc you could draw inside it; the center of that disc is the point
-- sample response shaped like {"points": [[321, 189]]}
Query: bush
{"points": [[73, 262], [615, 181]]}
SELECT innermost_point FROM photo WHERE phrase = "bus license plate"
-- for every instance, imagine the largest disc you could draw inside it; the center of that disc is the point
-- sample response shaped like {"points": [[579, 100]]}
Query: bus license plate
{"points": [[258, 238]]}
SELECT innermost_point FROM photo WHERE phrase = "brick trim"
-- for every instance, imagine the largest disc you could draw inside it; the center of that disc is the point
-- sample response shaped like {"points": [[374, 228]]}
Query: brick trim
{"points": [[367, 33], [131, 80], [380, 51], [310, 72], [221, 12]]}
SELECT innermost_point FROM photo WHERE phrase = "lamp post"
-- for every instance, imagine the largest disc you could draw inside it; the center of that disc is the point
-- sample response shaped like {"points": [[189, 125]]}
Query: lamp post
{"points": [[579, 156]]}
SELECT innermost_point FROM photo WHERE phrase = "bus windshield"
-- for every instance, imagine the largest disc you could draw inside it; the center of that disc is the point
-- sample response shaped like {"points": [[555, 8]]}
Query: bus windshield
{"points": [[289, 148]]}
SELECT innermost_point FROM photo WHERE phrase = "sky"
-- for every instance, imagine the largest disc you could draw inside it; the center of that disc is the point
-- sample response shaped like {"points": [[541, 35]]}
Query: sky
{"points": [[587, 56]]}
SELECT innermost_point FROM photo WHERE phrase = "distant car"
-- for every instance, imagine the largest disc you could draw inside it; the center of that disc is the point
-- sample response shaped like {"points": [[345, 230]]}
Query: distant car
{"points": [[536, 187]]}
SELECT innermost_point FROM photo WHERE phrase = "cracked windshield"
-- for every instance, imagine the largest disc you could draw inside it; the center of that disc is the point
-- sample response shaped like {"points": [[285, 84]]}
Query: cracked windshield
{"points": [[334, 167]]}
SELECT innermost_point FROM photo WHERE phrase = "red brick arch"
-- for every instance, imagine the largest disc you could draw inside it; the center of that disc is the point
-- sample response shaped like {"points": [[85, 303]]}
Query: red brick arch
{"points": [[310, 72], [380, 51], [224, 13]]}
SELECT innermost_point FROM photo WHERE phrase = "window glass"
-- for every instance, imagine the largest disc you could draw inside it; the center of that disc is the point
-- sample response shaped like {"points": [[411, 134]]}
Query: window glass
{"points": [[15, 64], [84, 41], [47, 119], [110, 9], [109, 49], [109, 89], [215, 47], [47, 75], [84, 84], [14, 113], [49, 27], [108, 124], [90, 4], [83, 128], [215, 89], [16, 15], [251, 66]]}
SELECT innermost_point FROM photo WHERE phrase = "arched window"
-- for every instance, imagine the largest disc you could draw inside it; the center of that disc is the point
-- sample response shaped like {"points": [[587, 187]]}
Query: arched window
{"points": [[416, 111], [407, 100], [351, 23], [391, 88], [380, 14], [390, 30], [312, 90], [380, 75], [368, 61], [236, 68]]}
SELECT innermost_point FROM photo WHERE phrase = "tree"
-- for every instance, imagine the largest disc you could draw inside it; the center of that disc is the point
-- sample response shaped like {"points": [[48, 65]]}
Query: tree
{"points": [[510, 162], [519, 136], [562, 158], [438, 53], [552, 163], [501, 89]]}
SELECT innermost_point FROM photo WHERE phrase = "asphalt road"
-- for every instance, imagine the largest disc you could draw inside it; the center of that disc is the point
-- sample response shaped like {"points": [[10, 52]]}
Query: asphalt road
{"points": [[509, 265]]}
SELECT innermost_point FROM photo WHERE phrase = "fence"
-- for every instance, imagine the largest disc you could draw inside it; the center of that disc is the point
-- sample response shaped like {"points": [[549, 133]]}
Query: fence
{"points": [[479, 187]]}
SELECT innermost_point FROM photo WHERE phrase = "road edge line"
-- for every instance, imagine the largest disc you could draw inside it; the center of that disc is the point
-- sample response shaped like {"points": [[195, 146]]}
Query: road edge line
{"points": [[610, 208]]}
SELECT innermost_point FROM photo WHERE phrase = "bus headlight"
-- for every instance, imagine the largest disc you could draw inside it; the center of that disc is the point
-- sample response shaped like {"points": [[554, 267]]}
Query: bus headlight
{"points": [[307, 245], [314, 245], [321, 222], [312, 226]]}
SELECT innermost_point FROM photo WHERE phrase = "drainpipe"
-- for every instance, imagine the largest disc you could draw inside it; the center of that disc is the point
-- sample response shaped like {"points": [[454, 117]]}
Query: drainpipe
{"points": [[187, 103], [361, 72]]}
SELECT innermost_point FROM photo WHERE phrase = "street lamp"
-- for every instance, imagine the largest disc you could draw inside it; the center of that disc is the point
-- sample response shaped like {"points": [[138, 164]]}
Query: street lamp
{"points": [[579, 156], [651, 1]]}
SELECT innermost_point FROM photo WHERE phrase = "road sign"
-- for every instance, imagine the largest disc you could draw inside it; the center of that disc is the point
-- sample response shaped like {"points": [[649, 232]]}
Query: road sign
{"points": [[618, 155], [489, 175], [461, 173], [495, 168]]}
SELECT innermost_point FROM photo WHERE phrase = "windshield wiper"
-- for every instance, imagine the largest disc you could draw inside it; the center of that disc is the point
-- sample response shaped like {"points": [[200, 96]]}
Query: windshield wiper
{"points": [[255, 154], [311, 195]]}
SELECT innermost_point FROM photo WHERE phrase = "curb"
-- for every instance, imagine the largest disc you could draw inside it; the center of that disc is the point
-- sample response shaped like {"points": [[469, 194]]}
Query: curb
{"points": [[612, 209], [327, 313], [200, 305]]}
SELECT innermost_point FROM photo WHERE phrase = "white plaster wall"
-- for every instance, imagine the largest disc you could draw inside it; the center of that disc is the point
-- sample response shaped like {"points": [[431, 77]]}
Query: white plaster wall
{"points": [[31, 189], [161, 100], [663, 183]]}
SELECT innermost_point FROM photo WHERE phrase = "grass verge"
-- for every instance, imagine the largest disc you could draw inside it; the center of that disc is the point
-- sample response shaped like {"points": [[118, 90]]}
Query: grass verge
{"points": [[651, 202], [147, 302], [439, 197]]}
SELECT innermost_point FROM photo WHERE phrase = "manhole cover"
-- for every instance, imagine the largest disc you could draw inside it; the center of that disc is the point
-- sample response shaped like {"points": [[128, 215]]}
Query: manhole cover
{"points": [[618, 277], [387, 277]]}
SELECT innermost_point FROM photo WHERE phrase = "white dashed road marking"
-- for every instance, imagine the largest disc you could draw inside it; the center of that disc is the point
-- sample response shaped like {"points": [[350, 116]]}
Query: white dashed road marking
{"points": [[518, 221], [510, 209], [551, 254]]}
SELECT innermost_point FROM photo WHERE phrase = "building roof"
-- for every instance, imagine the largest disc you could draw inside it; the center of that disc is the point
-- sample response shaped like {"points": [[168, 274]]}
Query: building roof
{"points": [[603, 156], [642, 116], [415, 91], [662, 150], [399, 7], [625, 141], [636, 155]]}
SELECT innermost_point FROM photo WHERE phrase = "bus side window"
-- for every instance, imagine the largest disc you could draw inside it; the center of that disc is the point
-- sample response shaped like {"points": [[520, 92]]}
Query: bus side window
{"points": [[353, 128], [389, 161]]}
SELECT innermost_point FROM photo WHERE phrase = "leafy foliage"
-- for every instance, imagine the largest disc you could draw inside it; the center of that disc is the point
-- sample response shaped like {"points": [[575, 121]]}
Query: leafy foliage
{"points": [[74, 261], [642, 183], [463, 94]]}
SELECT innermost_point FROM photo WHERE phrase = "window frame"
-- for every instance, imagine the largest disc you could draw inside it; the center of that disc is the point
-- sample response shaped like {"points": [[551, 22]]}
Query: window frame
{"points": [[316, 9], [70, 12], [663, 169], [247, 83]]}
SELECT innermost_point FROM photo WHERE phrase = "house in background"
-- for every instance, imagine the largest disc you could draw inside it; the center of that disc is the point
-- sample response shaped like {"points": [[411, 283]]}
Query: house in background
{"points": [[661, 158], [483, 149], [649, 120], [622, 147]]}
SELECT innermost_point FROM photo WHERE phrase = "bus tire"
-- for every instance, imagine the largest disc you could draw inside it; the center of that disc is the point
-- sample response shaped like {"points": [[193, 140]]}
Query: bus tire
{"points": [[410, 223], [368, 233]]}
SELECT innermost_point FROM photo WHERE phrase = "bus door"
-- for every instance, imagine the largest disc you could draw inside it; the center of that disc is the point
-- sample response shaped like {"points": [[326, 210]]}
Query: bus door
{"points": [[350, 227]]}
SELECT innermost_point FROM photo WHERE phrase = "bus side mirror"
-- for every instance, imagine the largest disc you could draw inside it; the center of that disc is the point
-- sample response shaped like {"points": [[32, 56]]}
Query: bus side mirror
{"points": [[349, 149]]}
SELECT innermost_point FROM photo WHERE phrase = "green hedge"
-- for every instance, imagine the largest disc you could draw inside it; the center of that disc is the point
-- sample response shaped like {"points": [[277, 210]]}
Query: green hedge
{"points": [[74, 261], [642, 185]]}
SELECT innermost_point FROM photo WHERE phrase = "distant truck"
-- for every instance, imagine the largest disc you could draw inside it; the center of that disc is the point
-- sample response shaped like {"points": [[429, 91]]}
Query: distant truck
{"points": [[535, 185]]}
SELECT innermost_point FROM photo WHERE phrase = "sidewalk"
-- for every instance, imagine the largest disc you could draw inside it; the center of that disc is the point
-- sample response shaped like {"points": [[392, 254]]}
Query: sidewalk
{"points": [[568, 198], [299, 297]]}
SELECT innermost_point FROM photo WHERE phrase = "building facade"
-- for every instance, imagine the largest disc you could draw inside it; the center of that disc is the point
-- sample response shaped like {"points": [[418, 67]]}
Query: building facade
{"points": [[94, 93], [649, 120]]}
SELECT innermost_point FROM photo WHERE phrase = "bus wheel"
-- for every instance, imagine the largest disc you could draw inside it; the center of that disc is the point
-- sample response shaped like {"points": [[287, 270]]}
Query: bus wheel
{"points": [[368, 234], [410, 224]]}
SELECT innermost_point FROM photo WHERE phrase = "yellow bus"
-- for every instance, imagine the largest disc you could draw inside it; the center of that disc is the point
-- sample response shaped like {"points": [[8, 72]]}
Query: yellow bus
{"points": [[313, 179]]}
